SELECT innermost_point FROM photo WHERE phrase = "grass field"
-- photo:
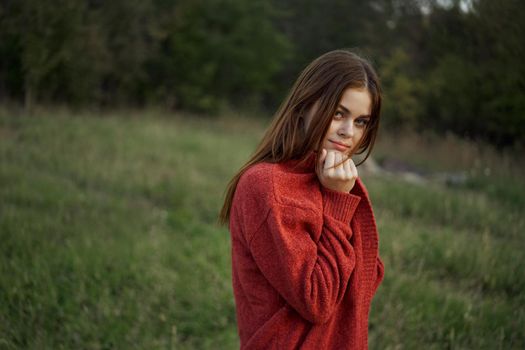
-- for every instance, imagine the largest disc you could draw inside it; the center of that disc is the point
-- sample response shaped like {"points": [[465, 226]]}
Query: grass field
{"points": [[108, 237]]}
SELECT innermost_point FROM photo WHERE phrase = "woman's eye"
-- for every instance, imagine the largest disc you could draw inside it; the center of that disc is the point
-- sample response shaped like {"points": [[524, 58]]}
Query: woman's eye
{"points": [[361, 122], [338, 115]]}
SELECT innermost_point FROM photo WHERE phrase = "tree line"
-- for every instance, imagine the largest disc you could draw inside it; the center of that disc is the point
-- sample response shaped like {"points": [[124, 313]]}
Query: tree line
{"points": [[452, 65]]}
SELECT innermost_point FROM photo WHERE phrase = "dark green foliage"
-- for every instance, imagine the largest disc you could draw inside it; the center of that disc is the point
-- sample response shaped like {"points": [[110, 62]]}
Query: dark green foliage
{"points": [[219, 50], [195, 55], [476, 84]]}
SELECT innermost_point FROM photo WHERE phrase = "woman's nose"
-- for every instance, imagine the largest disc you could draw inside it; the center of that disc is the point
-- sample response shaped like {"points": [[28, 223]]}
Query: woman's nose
{"points": [[347, 129]]}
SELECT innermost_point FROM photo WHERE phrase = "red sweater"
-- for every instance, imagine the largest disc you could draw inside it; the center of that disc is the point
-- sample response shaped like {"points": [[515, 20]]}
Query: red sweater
{"points": [[305, 261]]}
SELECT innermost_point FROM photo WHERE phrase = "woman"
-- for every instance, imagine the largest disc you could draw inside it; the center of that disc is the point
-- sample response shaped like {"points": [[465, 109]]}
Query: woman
{"points": [[305, 261]]}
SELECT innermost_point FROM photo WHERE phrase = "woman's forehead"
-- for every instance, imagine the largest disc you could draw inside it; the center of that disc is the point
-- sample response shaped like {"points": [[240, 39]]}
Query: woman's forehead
{"points": [[356, 102]]}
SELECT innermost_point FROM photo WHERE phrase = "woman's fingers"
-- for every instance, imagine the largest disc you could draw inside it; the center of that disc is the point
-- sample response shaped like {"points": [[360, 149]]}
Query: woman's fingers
{"points": [[330, 158], [322, 158], [348, 168], [338, 172], [339, 166], [353, 168]]}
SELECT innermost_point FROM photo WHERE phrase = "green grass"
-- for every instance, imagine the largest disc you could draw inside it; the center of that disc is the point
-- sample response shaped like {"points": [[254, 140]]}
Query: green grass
{"points": [[108, 240]]}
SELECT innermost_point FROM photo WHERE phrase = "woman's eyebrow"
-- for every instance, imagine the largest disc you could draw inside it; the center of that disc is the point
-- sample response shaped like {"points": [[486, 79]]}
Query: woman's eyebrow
{"points": [[347, 111]]}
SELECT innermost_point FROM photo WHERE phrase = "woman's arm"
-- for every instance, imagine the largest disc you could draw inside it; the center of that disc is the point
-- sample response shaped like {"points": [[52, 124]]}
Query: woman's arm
{"points": [[307, 257], [380, 273]]}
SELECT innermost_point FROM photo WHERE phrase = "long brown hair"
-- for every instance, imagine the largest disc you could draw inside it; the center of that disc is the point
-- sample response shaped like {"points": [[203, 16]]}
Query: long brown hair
{"points": [[323, 81]]}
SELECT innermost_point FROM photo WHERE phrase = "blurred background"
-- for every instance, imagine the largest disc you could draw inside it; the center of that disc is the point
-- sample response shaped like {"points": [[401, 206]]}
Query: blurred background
{"points": [[121, 123], [447, 65]]}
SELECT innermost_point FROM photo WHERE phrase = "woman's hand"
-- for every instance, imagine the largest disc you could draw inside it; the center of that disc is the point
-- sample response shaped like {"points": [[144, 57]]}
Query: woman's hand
{"points": [[338, 178]]}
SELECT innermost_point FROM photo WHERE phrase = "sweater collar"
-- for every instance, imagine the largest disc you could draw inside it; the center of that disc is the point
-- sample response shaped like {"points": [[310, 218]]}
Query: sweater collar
{"points": [[306, 164]]}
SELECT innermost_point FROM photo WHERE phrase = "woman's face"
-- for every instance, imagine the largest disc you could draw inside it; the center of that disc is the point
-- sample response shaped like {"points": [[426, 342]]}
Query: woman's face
{"points": [[349, 122]]}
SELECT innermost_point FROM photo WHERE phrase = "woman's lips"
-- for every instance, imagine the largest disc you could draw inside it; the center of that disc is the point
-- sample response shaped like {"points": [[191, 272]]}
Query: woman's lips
{"points": [[339, 147]]}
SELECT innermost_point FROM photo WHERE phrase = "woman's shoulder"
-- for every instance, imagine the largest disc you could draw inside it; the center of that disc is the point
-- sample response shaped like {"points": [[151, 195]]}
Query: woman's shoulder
{"points": [[258, 172], [256, 177], [255, 183], [273, 182]]}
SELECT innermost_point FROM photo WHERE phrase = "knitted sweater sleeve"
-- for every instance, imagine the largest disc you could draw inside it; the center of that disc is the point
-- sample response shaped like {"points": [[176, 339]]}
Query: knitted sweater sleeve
{"points": [[306, 255], [380, 273]]}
